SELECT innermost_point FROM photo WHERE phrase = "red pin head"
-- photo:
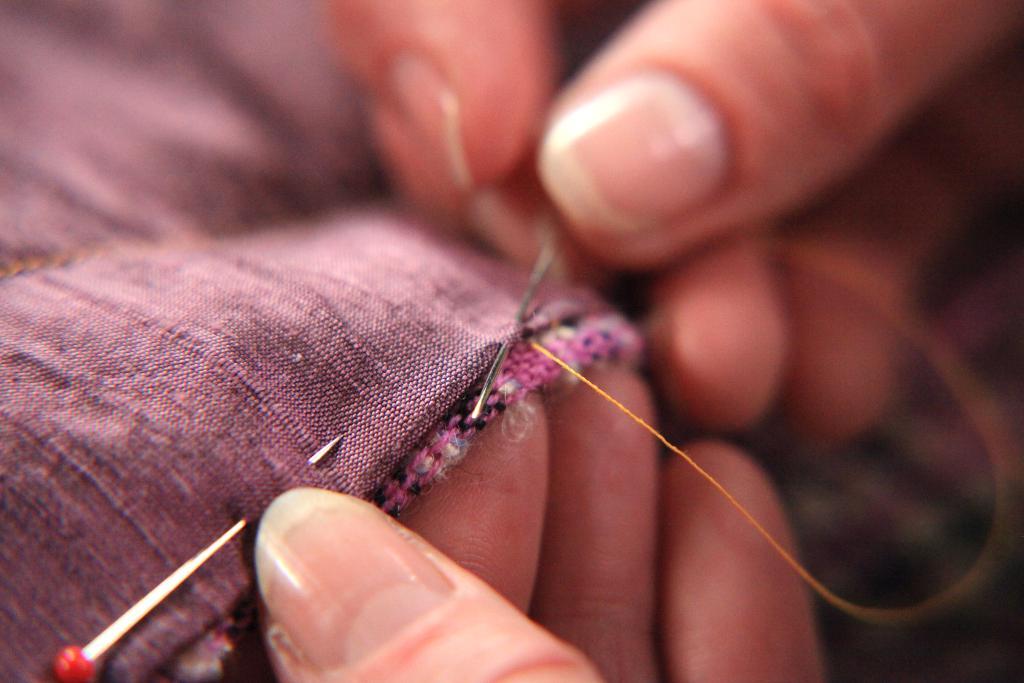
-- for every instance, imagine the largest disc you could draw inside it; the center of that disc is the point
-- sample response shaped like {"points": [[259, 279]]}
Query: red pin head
{"points": [[72, 666], [78, 664]]}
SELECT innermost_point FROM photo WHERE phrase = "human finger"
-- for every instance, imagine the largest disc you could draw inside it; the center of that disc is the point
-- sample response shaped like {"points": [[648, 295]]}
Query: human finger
{"points": [[595, 588], [719, 335], [456, 88], [350, 595], [703, 115], [731, 609], [843, 367], [487, 514], [892, 220], [516, 220], [852, 274]]}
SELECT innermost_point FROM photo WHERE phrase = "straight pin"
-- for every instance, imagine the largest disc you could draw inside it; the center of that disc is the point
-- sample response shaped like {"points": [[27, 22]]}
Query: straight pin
{"points": [[325, 451], [540, 269], [78, 664]]}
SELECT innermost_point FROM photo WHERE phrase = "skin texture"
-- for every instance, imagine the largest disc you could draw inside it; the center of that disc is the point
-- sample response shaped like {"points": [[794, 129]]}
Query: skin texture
{"points": [[721, 615], [488, 513], [820, 125], [704, 317], [831, 115], [586, 537], [596, 587]]}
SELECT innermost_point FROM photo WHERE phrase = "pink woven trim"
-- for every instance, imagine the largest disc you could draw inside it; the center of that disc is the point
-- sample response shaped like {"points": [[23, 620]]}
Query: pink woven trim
{"points": [[579, 343]]}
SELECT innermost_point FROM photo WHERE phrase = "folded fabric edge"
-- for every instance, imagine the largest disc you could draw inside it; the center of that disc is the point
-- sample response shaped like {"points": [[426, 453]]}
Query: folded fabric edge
{"points": [[579, 341]]}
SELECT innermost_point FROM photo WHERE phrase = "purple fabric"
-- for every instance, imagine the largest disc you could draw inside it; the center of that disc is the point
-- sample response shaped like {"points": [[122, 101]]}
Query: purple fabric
{"points": [[190, 308], [578, 342], [149, 399], [150, 119]]}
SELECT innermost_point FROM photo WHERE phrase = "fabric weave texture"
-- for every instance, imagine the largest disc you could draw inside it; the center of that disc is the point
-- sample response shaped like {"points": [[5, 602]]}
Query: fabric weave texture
{"points": [[191, 305]]}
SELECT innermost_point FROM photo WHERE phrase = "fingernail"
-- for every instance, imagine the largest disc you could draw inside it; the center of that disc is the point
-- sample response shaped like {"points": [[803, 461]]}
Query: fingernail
{"points": [[431, 108], [636, 155], [338, 580]]}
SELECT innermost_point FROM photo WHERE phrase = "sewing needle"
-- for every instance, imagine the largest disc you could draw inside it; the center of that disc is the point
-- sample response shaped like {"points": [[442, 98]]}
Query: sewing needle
{"points": [[77, 665], [540, 269]]}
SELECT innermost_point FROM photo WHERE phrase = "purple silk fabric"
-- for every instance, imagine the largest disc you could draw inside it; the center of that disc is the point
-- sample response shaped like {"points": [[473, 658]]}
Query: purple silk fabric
{"points": [[150, 399], [190, 307]]}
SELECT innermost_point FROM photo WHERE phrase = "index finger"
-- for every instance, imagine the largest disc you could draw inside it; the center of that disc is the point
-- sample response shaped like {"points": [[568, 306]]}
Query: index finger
{"points": [[457, 88], [731, 609]]}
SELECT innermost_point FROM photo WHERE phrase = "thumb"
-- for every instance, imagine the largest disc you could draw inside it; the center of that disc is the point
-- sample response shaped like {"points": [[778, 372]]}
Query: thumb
{"points": [[704, 115], [351, 595]]}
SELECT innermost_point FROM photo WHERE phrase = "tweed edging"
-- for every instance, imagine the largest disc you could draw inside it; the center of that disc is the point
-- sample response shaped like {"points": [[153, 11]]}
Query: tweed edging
{"points": [[579, 341]]}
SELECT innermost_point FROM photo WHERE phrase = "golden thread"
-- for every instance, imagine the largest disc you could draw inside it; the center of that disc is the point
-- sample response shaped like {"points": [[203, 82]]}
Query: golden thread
{"points": [[967, 390], [31, 263], [70, 258], [990, 430]]}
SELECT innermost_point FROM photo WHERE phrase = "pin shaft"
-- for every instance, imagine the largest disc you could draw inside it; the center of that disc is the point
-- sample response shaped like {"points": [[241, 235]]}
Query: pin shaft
{"points": [[323, 452], [110, 635]]}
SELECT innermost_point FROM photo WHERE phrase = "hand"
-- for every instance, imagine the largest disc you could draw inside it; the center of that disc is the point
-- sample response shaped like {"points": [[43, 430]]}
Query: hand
{"points": [[719, 122], [627, 572]]}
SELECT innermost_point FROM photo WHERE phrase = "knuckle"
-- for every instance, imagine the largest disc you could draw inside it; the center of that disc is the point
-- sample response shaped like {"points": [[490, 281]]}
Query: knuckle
{"points": [[606, 612], [836, 61]]}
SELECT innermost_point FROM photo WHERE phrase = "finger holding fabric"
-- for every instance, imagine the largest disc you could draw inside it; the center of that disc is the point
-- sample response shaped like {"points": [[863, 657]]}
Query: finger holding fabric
{"points": [[352, 595], [731, 609], [487, 514], [575, 469], [596, 581]]}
